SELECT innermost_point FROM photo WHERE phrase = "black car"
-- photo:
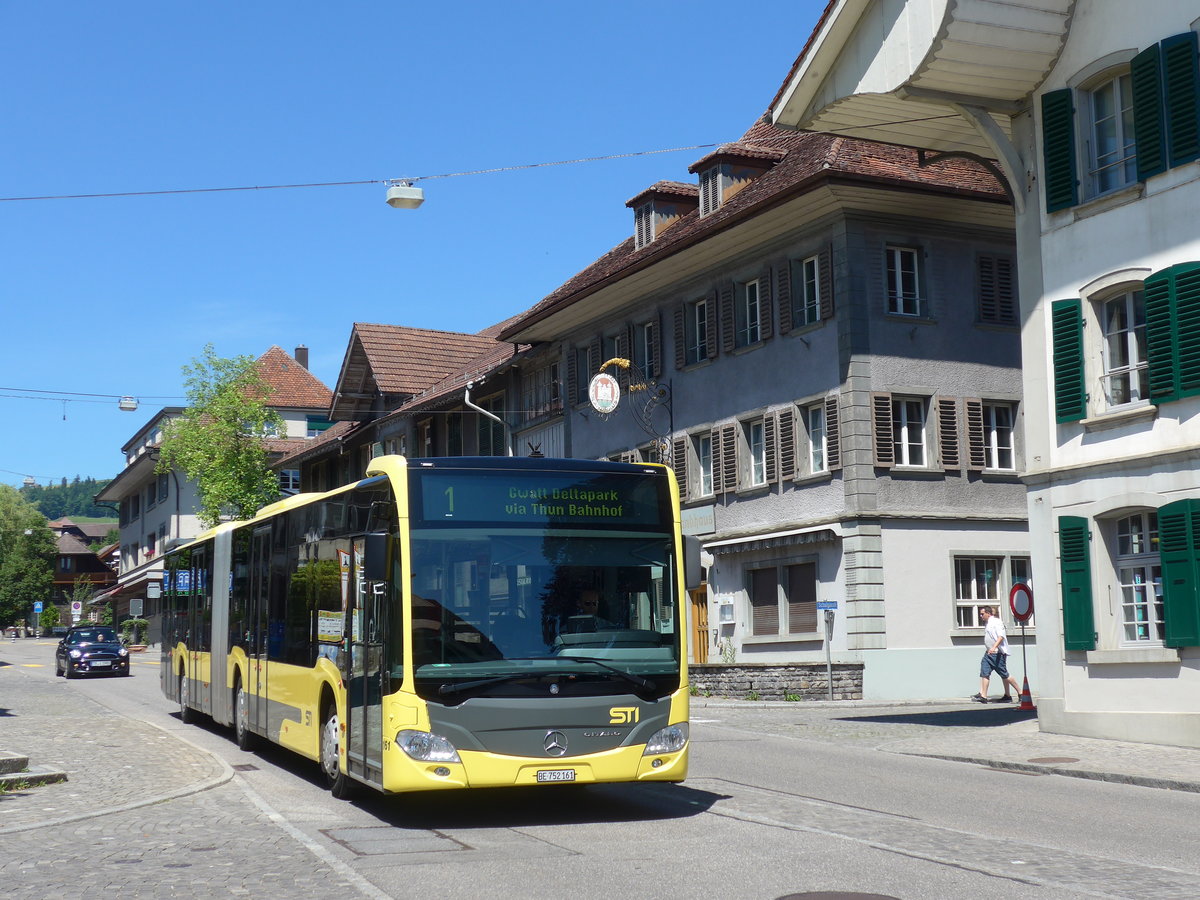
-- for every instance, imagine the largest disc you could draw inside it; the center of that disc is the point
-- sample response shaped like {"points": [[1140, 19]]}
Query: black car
{"points": [[91, 650]]}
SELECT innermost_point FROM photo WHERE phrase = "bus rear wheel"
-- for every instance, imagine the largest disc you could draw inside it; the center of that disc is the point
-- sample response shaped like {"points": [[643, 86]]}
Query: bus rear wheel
{"points": [[246, 739], [187, 715], [335, 779]]}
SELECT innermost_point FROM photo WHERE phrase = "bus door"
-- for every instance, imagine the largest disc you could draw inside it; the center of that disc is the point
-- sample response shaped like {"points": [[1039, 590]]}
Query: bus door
{"points": [[256, 628], [367, 665]]}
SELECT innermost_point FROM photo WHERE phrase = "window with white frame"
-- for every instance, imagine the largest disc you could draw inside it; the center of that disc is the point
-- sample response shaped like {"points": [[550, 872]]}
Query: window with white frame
{"points": [[164, 487], [1126, 373], [903, 282], [756, 452], [998, 435], [704, 464], [289, 482], [747, 315], [1139, 574], [696, 331], [1111, 151], [818, 460], [806, 292], [985, 581], [425, 438], [644, 349], [908, 432]]}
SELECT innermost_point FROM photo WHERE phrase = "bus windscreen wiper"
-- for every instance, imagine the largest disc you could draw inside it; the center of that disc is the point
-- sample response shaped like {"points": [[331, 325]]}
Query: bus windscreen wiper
{"points": [[448, 688], [644, 683]]}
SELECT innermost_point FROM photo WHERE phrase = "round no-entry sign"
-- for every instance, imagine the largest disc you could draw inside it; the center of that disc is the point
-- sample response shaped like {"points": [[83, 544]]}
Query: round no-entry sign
{"points": [[1020, 601]]}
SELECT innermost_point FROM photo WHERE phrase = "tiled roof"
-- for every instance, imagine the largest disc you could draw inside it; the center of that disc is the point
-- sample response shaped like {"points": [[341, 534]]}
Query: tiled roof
{"points": [[668, 189], [739, 150], [406, 360], [454, 384], [292, 385], [808, 159], [68, 544]]}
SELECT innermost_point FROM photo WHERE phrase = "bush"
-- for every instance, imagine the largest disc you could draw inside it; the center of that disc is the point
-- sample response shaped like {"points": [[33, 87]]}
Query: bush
{"points": [[133, 631]]}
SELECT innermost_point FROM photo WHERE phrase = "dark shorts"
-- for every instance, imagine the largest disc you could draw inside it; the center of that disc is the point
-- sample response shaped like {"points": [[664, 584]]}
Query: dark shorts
{"points": [[994, 662]]}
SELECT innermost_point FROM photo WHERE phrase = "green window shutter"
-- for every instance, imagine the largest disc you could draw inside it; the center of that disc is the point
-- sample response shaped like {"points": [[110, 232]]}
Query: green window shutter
{"points": [[1066, 322], [1186, 297], [1160, 337], [1181, 96], [1075, 559], [1178, 540], [1148, 125], [1058, 149]]}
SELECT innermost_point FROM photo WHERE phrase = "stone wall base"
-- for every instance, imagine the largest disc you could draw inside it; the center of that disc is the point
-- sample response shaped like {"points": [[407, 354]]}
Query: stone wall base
{"points": [[763, 681]]}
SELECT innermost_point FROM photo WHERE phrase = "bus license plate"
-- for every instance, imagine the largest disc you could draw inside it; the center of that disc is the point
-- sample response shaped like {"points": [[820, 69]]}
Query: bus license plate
{"points": [[553, 775]]}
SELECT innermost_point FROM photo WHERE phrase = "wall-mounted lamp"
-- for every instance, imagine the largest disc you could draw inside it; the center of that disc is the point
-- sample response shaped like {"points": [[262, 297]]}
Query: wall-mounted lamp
{"points": [[402, 195]]}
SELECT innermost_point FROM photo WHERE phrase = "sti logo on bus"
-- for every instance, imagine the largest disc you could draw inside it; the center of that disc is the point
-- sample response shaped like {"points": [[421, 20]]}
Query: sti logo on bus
{"points": [[623, 715]]}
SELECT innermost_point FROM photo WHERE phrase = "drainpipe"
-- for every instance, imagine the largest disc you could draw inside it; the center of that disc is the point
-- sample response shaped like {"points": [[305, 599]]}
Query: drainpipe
{"points": [[492, 416]]}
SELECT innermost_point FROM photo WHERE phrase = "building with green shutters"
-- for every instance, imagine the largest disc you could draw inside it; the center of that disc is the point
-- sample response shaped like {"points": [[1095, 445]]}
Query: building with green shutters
{"points": [[1091, 110]]}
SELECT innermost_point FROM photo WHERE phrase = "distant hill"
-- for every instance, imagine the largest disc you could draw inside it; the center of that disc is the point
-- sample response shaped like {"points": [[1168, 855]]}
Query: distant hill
{"points": [[70, 499]]}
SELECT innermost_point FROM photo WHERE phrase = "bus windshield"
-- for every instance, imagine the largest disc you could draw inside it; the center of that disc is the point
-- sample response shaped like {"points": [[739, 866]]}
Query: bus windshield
{"points": [[504, 613]]}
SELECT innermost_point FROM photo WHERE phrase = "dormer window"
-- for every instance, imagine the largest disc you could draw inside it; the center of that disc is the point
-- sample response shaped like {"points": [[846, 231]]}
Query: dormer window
{"points": [[710, 190], [643, 225]]}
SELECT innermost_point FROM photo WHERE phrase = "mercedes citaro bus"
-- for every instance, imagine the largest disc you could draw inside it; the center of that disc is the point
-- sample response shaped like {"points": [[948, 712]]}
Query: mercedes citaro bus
{"points": [[423, 628]]}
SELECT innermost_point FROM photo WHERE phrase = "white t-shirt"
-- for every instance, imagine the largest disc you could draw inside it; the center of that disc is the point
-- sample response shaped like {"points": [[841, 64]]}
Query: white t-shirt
{"points": [[993, 632]]}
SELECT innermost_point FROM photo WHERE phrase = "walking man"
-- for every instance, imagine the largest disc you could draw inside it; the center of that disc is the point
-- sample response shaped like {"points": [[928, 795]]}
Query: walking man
{"points": [[995, 658]]}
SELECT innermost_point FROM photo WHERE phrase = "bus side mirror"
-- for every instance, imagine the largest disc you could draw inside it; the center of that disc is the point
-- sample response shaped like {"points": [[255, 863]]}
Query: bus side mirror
{"points": [[691, 562], [375, 557]]}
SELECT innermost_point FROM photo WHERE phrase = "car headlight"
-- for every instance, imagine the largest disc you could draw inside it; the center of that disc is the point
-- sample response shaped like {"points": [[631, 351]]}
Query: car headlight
{"points": [[426, 747], [667, 740], [75, 654], [122, 652]]}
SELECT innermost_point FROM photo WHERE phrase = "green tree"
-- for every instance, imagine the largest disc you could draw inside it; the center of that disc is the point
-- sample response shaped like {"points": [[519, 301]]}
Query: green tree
{"points": [[219, 441], [27, 554]]}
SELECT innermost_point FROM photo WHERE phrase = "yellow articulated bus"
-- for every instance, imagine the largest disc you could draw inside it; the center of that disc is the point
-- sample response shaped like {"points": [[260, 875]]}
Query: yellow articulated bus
{"points": [[447, 623]]}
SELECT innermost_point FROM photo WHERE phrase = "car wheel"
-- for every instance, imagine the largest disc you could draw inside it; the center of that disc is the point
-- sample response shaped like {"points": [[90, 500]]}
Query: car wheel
{"points": [[335, 779], [58, 672], [246, 739], [67, 673], [187, 715]]}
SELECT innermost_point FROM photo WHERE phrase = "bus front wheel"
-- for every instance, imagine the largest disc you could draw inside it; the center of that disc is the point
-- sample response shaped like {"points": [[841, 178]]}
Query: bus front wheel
{"points": [[335, 779]]}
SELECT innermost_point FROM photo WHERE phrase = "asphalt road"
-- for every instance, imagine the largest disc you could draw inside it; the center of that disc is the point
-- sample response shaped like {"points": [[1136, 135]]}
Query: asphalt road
{"points": [[781, 800]]}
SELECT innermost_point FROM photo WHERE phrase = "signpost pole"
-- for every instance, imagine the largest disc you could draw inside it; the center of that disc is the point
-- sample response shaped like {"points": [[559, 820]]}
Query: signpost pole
{"points": [[828, 606]]}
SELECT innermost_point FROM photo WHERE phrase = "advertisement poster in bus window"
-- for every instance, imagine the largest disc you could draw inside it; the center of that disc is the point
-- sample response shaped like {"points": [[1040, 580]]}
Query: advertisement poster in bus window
{"points": [[360, 590]]}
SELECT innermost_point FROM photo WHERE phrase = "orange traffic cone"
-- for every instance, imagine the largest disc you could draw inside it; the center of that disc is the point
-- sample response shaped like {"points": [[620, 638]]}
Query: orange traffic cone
{"points": [[1026, 700]]}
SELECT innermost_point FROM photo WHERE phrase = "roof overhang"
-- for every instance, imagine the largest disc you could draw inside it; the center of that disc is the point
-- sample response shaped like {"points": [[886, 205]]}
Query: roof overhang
{"points": [[902, 72]]}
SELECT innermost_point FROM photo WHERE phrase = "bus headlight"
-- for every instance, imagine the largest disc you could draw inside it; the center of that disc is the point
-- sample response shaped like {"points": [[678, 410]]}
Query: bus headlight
{"points": [[667, 740], [426, 747]]}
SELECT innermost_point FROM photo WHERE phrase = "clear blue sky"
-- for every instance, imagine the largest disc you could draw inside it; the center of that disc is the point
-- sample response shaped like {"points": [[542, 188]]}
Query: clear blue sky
{"points": [[112, 296]]}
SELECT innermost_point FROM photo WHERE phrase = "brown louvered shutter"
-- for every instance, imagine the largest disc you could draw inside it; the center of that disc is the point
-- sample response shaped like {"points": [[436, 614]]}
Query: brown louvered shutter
{"points": [[825, 278], [654, 348], [881, 422], [833, 434], [622, 342], [711, 325], [679, 464], [725, 305], [680, 347], [770, 448], [572, 376], [783, 293], [595, 348], [787, 443], [766, 317], [948, 441], [976, 439], [714, 437], [729, 457], [764, 601], [996, 288]]}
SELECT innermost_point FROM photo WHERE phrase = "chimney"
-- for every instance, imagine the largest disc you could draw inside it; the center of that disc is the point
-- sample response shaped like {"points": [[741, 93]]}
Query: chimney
{"points": [[302, 355]]}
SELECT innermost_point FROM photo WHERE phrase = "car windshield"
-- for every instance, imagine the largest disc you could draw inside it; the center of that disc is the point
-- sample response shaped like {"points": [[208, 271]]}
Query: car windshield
{"points": [[93, 636]]}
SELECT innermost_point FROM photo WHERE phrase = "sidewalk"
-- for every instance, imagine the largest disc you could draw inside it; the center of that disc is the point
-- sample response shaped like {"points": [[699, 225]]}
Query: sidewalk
{"points": [[111, 762], [1003, 737]]}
